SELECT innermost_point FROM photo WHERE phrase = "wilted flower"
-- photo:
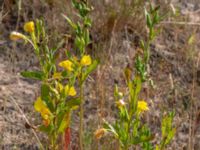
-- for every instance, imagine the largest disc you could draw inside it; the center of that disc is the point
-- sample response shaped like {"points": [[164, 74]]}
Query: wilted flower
{"points": [[86, 60], [120, 103], [67, 64], [99, 133], [29, 27], [46, 122], [14, 36], [173, 9]]}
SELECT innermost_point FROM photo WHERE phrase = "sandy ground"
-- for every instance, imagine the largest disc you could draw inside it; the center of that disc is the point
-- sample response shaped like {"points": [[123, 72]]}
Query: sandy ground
{"points": [[167, 60]]}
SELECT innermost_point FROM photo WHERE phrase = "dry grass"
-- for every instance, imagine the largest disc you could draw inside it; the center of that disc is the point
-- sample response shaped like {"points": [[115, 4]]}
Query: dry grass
{"points": [[117, 28]]}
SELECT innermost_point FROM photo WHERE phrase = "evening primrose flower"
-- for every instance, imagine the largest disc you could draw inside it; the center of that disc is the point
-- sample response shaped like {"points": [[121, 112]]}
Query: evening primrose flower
{"points": [[57, 75], [70, 91], [86, 60], [14, 36], [29, 27], [142, 106], [99, 133], [40, 107], [67, 64]]}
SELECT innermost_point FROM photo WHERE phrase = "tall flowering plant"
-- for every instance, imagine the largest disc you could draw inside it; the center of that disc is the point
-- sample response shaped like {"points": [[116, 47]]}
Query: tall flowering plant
{"points": [[129, 129], [58, 94]]}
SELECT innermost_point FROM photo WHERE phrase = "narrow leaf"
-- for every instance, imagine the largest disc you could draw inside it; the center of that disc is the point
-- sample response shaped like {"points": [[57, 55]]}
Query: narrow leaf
{"points": [[91, 68], [73, 102], [38, 75], [73, 25]]}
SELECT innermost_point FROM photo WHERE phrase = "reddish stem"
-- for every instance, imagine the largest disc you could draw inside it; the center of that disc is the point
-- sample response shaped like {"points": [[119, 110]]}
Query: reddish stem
{"points": [[67, 138]]}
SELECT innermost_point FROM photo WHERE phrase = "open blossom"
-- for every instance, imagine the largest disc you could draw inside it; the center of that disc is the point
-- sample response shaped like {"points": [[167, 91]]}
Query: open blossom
{"points": [[14, 36], [142, 106], [86, 60], [67, 64], [70, 91], [29, 27], [41, 107]]}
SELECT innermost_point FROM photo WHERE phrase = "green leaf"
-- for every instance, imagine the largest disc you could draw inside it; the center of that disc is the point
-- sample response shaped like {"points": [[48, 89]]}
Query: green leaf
{"points": [[87, 37], [156, 18], [80, 43], [116, 92], [64, 123], [46, 129], [170, 136], [138, 85], [45, 93], [110, 128], [142, 45], [73, 102], [73, 25], [39, 28], [191, 39], [38, 75], [91, 68], [87, 22], [148, 19], [142, 139]]}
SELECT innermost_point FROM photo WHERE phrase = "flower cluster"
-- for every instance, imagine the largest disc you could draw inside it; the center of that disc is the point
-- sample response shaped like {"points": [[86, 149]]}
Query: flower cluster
{"points": [[41, 107]]}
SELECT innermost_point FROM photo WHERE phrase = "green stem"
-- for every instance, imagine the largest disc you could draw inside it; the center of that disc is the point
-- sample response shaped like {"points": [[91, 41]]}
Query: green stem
{"points": [[81, 117], [126, 147], [53, 141]]}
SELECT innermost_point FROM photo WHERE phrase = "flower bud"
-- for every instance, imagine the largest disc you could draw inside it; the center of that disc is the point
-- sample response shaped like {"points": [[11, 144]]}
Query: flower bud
{"points": [[14, 36]]}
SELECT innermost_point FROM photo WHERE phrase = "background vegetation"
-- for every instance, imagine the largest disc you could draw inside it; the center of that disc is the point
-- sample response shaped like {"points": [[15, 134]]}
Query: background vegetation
{"points": [[117, 28]]}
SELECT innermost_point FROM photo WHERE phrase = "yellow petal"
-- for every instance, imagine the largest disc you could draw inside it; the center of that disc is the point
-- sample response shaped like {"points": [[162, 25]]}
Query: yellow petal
{"points": [[142, 106], [45, 112], [70, 91], [86, 60], [67, 64], [29, 27], [40, 106], [57, 75]]}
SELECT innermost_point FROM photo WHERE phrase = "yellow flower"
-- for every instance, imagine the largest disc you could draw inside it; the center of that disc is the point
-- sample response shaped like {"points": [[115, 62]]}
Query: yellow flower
{"points": [[14, 36], [142, 106], [99, 133], [29, 27], [86, 60], [67, 64], [40, 106], [57, 75], [70, 91]]}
